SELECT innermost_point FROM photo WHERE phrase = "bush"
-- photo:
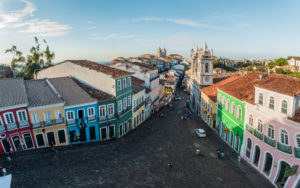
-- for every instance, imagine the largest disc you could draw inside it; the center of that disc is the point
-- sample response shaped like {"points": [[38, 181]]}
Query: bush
{"points": [[280, 71]]}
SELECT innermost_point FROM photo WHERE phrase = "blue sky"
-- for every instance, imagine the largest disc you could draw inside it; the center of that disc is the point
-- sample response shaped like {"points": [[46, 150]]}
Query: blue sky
{"points": [[103, 30]]}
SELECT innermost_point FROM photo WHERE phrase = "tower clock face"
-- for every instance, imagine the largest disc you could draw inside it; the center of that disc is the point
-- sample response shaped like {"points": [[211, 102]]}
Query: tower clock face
{"points": [[206, 78]]}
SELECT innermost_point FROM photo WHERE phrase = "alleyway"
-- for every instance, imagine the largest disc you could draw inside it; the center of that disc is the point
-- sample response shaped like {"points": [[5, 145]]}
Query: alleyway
{"points": [[139, 159]]}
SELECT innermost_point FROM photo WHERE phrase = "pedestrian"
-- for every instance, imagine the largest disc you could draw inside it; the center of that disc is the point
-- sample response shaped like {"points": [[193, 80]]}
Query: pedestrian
{"points": [[239, 159], [11, 151], [52, 145], [170, 164], [4, 171], [223, 148]]}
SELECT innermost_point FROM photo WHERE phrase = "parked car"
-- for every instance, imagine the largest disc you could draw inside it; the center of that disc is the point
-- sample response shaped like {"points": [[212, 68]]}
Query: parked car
{"points": [[200, 133]]}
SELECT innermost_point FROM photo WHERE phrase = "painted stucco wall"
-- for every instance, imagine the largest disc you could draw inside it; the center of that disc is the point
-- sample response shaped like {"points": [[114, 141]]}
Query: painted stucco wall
{"points": [[136, 97]]}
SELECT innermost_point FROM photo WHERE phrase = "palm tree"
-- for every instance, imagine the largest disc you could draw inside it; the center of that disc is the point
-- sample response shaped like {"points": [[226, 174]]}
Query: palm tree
{"points": [[17, 57], [48, 55]]}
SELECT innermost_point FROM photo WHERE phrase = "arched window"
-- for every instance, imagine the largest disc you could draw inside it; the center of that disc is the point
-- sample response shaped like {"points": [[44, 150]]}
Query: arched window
{"points": [[297, 141], [284, 107], [227, 105], [206, 67], [251, 120], [270, 132], [233, 108], [239, 112], [260, 125], [223, 102], [284, 138], [271, 103], [249, 145], [261, 99]]}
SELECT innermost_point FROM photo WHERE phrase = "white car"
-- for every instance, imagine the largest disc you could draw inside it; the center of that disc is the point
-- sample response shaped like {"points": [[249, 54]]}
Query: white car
{"points": [[200, 133]]}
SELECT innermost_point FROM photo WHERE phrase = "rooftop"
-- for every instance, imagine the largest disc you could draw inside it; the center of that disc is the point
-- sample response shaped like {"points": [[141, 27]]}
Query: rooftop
{"points": [[12, 92], [115, 73], [95, 93], [293, 57], [39, 93], [137, 88], [280, 83], [5, 72], [211, 91], [242, 88], [137, 80], [70, 91]]}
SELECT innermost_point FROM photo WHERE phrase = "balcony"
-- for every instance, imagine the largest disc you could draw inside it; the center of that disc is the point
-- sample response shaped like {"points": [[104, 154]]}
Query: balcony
{"points": [[59, 121], [269, 141], [111, 116], [23, 123], [91, 118], [11, 126], [249, 129], [284, 148], [36, 125], [297, 152], [258, 134], [71, 122], [124, 111], [139, 106], [102, 118]]}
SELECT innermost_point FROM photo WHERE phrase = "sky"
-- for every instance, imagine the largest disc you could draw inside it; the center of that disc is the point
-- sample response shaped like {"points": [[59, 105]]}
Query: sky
{"points": [[101, 30]]}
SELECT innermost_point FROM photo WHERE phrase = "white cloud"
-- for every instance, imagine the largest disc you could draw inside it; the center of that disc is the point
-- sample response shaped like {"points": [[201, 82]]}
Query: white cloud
{"points": [[45, 27], [91, 28], [111, 36]]}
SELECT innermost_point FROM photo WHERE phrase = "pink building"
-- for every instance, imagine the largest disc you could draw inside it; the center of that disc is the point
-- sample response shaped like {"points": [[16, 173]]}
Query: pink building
{"points": [[272, 135]]}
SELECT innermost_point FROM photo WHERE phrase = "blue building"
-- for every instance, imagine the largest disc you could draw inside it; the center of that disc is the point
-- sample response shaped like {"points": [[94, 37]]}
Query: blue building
{"points": [[80, 110]]}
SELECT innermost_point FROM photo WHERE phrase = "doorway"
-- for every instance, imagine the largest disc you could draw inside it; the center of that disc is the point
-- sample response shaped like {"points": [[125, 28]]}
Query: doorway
{"points": [[6, 144], [92, 133], [256, 155], [103, 133], [111, 131], [28, 140], [82, 135], [237, 143], [72, 136], [281, 180], [17, 143], [268, 164], [51, 138], [80, 114]]}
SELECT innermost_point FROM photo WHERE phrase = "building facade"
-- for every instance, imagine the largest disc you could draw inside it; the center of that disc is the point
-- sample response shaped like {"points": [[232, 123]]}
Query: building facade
{"points": [[138, 105]]}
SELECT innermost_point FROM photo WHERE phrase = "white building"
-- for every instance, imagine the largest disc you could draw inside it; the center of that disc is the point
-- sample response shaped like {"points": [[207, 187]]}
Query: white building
{"points": [[293, 61]]}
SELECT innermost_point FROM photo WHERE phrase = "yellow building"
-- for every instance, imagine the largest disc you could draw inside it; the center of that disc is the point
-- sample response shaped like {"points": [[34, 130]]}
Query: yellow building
{"points": [[209, 106], [46, 111], [138, 99]]}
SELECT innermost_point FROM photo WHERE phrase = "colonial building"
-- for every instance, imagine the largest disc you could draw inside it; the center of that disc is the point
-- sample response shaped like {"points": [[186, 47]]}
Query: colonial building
{"points": [[272, 136], [293, 61], [209, 106], [110, 80], [47, 114], [231, 109], [201, 73], [138, 105], [15, 127]]}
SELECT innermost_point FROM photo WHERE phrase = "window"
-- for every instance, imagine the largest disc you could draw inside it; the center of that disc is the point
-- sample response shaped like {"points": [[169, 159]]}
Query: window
{"points": [[9, 118], [70, 115], [125, 103], [239, 112], [110, 109], [206, 67], [124, 83], [35, 118], [297, 141], [259, 125], [129, 100], [233, 108], [128, 81], [120, 105], [22, 115], [28, 140], [270, 132], [227, 105], [121, 129], [91, 111], [58, 114], [47, 116], [40, 140], [61, 136], [284, 107], [223, 102], [261, 99], [271, 103], [102, 110], [249, 145], [119, 85], [251, 120], [284, 138]]}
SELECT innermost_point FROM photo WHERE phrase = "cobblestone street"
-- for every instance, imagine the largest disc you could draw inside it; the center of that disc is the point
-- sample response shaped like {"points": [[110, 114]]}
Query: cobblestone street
{"points": [[139, 159]]}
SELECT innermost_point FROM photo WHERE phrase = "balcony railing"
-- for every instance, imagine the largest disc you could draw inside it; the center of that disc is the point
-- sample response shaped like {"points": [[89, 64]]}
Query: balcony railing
{"points": [[36, 125], [23, 123], [249, 129], [91, 118], [297, 152], [139, 106], [102, 118], [284, 148], [124, 111], [258, 134], [269, 141], [11, 126], [71, 122]]}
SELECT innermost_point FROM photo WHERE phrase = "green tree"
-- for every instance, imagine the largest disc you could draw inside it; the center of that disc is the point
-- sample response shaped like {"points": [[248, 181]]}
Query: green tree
{"points": [[17, 57], [281, 61], [36, 56], [280, 71], [48, 55]]}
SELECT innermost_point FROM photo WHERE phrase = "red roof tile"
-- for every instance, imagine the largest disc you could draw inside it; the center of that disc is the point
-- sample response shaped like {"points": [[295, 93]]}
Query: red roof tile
{"points": [[242, 88], [137, 80], [284, 84], [211, 91], [116, 73]]}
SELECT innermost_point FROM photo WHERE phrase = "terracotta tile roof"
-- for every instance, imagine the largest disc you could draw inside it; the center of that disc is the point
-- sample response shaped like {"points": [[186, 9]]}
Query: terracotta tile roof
{"points": [[137, 88], [294, 57], [211, 91], [144, 65], [162, 60], [284, 84], [95, 93], [137, 80], [115, 73], [242, 88]]}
